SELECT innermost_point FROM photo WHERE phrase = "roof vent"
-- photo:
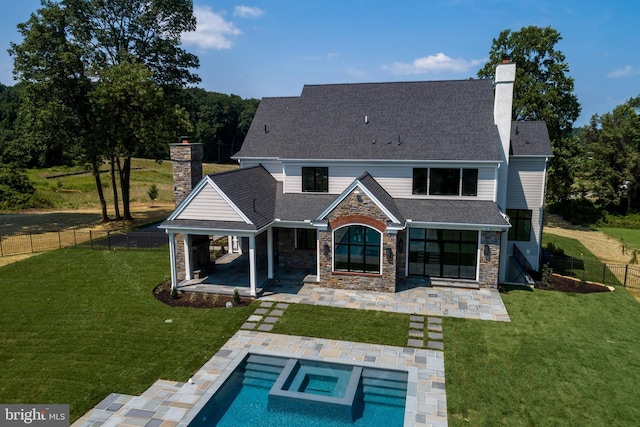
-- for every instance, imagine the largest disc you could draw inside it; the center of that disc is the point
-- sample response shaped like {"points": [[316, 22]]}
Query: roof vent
{"points": [[366, 120], [266, 130]]}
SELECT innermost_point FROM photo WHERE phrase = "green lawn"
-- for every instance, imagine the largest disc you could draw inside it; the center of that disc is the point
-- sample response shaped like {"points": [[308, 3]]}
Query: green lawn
{"points": [[564, 359], [76, 325], [353, 325]]}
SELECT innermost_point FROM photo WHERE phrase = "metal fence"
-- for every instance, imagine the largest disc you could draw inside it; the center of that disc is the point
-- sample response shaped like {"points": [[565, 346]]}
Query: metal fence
{"points": [[607, 274], [38, 242]]}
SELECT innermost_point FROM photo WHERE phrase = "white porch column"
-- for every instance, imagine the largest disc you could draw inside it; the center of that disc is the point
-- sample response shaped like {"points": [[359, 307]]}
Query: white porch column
{"points": [[318, 249], [270, 253], [252, 265], [172, 255], [188, 267]]}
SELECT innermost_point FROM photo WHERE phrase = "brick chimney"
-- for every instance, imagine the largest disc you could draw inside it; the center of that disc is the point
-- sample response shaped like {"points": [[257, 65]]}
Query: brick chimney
{"points": [[187, 167]]}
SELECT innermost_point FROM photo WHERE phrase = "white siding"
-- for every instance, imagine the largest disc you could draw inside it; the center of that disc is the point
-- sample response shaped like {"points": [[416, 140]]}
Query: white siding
{"points": [[525, 190], [396, 179], [274, 167], [208, 204]]}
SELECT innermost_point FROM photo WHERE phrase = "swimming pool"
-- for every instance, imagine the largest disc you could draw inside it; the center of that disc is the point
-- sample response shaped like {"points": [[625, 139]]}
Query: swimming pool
{"points": [[276, 391]]}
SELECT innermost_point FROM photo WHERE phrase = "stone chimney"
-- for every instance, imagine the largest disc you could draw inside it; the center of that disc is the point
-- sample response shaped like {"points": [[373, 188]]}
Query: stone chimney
{"points": [[187, 167], [187, 173]]}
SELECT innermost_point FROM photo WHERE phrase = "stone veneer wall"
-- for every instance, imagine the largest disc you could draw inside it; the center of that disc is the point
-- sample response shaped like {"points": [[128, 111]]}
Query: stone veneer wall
{"points": [[489, 268], [187, 172], [288, 256], [358, 209]]}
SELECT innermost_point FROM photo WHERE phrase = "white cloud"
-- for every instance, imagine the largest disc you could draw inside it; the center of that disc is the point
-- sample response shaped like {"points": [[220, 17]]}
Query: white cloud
{"points": [[433, 63], [212, 31], [248, 12], [626, 71]]}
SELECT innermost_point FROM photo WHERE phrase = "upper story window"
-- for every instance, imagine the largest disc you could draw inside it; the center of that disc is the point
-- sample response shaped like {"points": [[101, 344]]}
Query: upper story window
{"points": [[315, 179], [520, 224], [445, 181]]}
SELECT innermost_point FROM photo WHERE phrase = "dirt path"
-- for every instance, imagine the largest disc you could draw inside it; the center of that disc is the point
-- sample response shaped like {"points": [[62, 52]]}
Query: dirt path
{"points": [[598, 243]]}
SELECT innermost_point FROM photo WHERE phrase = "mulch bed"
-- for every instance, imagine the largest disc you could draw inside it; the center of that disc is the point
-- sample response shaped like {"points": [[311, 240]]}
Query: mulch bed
{"points": [[569, 284], [201, 300]]}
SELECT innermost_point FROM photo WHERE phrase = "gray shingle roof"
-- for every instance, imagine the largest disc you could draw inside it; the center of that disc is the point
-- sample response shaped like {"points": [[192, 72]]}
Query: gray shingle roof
{"points": [[530, 139], [381, 194], [452, 211], [439, 120], [252, 190]]}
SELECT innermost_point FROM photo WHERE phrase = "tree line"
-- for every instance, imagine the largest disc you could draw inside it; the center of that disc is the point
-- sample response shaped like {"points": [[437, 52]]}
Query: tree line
{"points": [[106, 81]]}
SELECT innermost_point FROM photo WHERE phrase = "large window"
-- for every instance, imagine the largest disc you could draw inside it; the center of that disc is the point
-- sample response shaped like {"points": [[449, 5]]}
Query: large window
{"points": [[357, 249], [445, 181], [443, 253], [315, 179], [305, 238], [520, 224]]}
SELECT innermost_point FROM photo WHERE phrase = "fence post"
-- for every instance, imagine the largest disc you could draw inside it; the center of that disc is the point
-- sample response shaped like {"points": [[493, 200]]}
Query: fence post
{"points": [[91, 239], [31, 241], [626, 273], [127, 237], [1, 253], [109, 240], [75, 242], [604, 272], [59, 240]]}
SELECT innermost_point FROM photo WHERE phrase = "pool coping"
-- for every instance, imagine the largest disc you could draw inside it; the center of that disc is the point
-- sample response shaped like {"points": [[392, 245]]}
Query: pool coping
{"points": [[167, 404]]}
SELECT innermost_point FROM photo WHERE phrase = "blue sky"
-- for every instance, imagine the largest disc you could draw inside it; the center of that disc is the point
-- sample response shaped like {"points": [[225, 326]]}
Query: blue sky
{"points": [[272, 48]]}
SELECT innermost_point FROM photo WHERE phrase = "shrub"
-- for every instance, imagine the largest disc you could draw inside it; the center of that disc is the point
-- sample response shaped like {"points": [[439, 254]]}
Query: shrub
{"points": [[236, 297], [16, 190], [152, 192]]}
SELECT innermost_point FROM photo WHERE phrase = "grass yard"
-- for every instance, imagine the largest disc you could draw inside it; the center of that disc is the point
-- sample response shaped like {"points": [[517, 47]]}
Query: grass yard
{"points": [[563, 360], [76, 325], [353, 325]]}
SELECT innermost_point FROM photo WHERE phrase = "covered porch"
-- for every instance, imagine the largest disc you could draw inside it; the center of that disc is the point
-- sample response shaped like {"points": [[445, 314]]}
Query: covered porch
{"points": [[249, 262], [231, 272]]}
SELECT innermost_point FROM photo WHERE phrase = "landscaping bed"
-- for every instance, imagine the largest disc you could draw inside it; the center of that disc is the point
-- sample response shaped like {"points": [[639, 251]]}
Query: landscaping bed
{"points": [[197, 299], [570, 284]]}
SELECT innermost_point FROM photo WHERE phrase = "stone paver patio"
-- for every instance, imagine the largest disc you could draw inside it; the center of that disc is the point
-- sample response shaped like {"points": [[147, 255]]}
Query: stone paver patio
{"points": [[171, 404], [484, 303]]}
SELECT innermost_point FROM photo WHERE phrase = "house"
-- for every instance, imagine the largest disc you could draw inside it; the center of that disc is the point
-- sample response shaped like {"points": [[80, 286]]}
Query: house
{"points": [[365, 186]]}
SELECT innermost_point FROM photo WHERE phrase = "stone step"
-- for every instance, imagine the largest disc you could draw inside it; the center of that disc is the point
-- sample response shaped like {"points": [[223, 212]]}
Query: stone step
{"points": [[380, 391], [384, 375], [384, 384]]}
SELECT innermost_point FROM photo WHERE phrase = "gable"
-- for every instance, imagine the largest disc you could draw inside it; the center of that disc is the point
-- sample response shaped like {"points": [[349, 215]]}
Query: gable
{"points": [[209, 203], [362, 192]]}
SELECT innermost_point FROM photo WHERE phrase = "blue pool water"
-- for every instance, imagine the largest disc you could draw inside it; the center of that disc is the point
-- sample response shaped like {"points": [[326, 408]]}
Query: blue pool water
{"points": [[244, 398]]}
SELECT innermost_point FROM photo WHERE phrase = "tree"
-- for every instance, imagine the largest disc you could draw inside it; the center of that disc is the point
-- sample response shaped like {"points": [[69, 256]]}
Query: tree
{"points": [[71, 45], [543, 90], [613, 140]]}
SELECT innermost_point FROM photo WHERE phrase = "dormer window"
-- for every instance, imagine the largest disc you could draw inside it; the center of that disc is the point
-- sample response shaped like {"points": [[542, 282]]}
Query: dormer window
{"points": [[315, 179], [445, 181]]}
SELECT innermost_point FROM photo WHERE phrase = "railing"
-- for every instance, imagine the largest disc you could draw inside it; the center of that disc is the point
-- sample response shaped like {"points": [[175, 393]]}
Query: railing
{"points": [[607, 274], [39, 242]]}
